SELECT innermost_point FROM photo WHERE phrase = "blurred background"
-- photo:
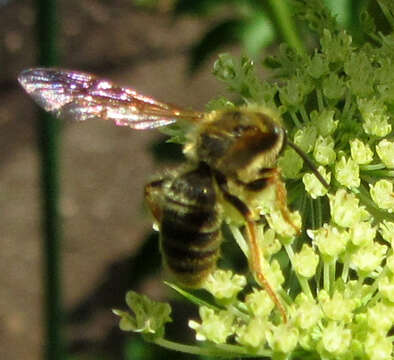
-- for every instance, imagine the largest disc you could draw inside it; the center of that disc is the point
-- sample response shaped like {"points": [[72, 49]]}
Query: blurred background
{"points": [[162, 48]]}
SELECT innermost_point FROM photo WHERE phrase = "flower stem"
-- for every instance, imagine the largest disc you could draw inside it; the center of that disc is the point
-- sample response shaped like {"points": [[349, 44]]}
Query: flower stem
{"points": [[319, 96], [304, 114], [295, 119], [332, 272], [345, 271], [222, 350], [371, 167], [302, 281], [326, 277]]}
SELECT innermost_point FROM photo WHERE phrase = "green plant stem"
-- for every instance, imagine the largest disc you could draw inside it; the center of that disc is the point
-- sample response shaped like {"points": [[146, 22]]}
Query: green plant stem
{"points": [[304, 114], [332, 273], [319, 96], [326, 277], [48, 132], [345, 271], [295, 119], [319, 213], [284, 21], [363, 194], [301, 280], [222, 350], [382, 173], [372, 167], [312, 213]]}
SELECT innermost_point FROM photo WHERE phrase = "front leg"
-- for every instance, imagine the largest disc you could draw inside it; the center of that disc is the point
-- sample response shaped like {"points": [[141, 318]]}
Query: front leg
{"points": [[281, 199], [272, 177]]}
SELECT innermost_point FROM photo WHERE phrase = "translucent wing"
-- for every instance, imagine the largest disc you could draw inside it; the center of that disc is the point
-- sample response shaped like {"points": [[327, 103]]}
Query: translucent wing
{"points": [[80, 96]]}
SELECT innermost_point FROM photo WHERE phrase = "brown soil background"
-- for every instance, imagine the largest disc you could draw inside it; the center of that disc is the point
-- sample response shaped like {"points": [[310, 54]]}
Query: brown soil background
{"points": [[103, 168]]}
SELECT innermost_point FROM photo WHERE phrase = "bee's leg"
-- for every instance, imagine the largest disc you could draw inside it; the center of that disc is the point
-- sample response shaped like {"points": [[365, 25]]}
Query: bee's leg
{"points": [[256, 254], [153, 194], [281, 196]]}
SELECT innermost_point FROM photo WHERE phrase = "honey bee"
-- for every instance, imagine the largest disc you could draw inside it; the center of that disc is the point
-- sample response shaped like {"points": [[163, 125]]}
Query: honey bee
{"points": [[231, 154]]}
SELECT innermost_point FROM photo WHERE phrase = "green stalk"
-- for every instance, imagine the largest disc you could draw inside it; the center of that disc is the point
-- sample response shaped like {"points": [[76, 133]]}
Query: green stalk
{"points": [[48, 132], [286, 26], [301, 280], [326, 277], [220, 350]]}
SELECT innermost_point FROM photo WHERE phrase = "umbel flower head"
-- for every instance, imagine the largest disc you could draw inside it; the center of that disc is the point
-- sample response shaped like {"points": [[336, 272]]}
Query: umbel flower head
{"points": [[336, 279]]}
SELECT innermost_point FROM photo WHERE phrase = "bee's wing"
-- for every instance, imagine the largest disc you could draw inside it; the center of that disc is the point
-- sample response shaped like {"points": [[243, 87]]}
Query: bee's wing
{"points": [[80, 96]]}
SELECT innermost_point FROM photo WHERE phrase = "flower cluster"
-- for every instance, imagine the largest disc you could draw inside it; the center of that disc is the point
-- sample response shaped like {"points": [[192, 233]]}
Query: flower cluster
{"points": [[337, 284]]}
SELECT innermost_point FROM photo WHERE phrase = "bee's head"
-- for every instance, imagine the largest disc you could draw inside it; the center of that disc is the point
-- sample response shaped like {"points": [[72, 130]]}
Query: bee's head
{"points": [[240, 143]]}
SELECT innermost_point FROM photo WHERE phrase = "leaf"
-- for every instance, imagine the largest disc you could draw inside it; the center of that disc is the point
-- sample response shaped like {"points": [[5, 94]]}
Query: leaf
{"points": [[194, 299], [387, 7], [257, 33], [149, 316]]}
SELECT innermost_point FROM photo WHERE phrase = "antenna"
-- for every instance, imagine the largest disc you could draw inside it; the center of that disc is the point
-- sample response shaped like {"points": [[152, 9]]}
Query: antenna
{"points": [[309, 163]]}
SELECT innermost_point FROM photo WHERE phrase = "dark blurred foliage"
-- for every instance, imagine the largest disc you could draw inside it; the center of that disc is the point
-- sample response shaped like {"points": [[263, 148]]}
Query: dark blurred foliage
{"points": [[255, 25]]}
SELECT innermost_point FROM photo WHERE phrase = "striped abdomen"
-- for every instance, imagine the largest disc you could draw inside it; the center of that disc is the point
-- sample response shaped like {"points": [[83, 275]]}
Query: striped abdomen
{"points": [[190, 226]]}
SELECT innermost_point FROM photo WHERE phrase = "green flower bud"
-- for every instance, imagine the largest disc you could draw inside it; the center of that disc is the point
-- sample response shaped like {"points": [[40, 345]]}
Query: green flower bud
{"points": [[337, 307], [380, 317], [253, 334], [220, 103], [305, 262], [224, 67], [336, 47], [361, 153], [324, 122], [386, 289], [318, 66], [307, 312], [366, 259], [333, 87], [386, 229], [361, 74], [275, 278], [382, 194], [374, 115], [215, 326], [283, 338], [345, 209], [312, 184], [378, 347], [293, 93], [259, 303], [307, 341], [385, 150], [335, 340], [290, 164], [347, 172], [305, 138], [224, 284], [269, 244], [149, 317], [390, 263], [324, 150], [362, 233], [330, 241], [282, 227]]}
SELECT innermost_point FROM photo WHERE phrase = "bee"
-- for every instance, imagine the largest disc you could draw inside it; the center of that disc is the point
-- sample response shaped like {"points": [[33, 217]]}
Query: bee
{"points": [[231, 154]]}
